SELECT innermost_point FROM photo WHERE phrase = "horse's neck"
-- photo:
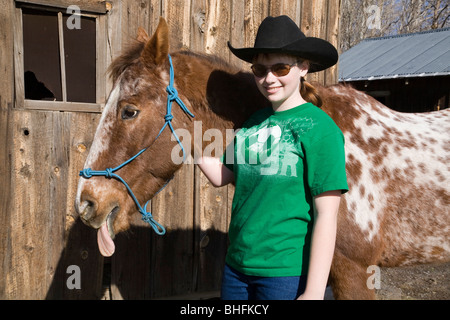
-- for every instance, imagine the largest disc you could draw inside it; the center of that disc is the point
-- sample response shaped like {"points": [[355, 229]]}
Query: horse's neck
{"points": [[233, 97]]}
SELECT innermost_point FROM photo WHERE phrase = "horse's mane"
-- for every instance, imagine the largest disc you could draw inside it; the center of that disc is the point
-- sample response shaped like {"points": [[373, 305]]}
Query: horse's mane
{"points": [[127, 58], [218, 62], [134, 50]]}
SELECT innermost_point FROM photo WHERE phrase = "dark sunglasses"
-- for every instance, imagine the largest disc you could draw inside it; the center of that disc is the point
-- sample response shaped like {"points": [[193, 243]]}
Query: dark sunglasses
{"points": [[278, 69]]}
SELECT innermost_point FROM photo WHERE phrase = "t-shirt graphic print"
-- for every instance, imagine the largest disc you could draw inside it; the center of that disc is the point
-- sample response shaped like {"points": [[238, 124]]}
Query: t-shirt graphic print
{"points": [[273, 146]]}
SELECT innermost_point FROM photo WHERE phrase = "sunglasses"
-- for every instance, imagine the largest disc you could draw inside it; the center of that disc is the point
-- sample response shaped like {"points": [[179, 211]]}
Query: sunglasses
{"points": [[278, 69]]}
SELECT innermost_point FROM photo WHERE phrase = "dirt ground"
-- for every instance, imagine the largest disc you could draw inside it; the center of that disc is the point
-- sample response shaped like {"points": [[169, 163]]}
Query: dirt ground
{"points": [[425, 282]]}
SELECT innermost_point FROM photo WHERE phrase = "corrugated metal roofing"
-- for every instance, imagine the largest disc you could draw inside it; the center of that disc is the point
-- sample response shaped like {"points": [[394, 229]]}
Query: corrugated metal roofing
{"points": [[409, 55]]}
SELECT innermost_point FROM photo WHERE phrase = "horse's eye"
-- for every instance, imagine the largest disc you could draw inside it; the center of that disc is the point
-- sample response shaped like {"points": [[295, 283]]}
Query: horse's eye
{"points": [[129, 112]]}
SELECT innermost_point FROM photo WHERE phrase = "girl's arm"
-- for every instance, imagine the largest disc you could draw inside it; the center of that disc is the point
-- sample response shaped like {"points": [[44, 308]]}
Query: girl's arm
{"points": [[216, 172], [322, 245]]}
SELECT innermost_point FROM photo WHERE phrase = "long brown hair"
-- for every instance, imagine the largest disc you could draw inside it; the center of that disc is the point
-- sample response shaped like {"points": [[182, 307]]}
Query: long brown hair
{"points": [[309, 93]]}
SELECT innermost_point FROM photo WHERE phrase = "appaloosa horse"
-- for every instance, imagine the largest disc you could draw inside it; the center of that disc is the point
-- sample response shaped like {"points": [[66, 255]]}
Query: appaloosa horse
{"points": [[396, 212]]}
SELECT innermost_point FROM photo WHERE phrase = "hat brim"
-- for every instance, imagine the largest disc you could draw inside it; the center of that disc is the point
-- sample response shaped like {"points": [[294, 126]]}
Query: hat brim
{"points": [[320, 53]]}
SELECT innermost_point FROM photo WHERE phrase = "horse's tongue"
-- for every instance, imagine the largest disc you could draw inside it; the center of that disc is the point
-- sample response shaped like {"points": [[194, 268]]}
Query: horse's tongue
{"points": [[105, 243]]}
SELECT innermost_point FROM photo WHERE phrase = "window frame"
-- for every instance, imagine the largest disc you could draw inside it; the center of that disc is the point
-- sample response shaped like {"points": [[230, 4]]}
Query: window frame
{"points": [[101, 58]]}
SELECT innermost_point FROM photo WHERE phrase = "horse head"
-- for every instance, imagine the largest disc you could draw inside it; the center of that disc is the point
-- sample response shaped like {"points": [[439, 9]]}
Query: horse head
{"points": [[138, 116], [131, 121]]}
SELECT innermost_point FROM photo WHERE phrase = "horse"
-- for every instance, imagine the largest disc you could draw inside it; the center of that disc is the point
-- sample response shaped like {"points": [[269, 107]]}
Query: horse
{"points": [[397, 209]]}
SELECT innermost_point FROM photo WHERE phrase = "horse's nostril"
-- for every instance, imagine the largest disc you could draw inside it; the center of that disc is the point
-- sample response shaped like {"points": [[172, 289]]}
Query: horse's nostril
{"points": [[87, 209]]}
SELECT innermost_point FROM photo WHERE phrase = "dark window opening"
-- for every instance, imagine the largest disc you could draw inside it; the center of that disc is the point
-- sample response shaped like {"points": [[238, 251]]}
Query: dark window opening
{"points": [[46, 78], [41, 56]]}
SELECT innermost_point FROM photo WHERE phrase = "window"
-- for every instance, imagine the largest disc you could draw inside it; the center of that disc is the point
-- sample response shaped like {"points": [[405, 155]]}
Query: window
{"points": [[59, 58]]}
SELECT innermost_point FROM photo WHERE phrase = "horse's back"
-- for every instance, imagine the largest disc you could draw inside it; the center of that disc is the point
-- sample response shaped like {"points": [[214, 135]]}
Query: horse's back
{"points": [[398, 168]]}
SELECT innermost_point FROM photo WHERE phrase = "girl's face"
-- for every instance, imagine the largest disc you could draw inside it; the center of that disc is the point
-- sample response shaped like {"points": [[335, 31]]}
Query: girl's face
{"points": [[282, 91]]}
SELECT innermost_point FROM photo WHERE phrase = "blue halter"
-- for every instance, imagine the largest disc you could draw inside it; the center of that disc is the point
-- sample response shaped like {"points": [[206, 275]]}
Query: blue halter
{"points": [[109, 172]]}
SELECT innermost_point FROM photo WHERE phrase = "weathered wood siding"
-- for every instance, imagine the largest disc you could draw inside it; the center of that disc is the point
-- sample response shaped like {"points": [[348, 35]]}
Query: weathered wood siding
{"points": [[41, 153]]}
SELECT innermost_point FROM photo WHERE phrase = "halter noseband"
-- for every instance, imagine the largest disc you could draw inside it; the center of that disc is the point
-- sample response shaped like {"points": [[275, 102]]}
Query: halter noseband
{"points": [[109, 172]]}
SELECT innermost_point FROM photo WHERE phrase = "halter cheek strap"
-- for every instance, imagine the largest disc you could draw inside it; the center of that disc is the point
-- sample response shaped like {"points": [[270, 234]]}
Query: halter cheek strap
{"points": [[110, 172]]}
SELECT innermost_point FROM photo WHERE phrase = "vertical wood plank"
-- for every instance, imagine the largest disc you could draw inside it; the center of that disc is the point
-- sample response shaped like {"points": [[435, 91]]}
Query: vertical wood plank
{"points": [[6, 190], [6, 141], [291, 8], [18, 56], [313, 24], [137, 15], [155, 12], [173, 254], [173, 207], [58, 173], [250, 13], [199, 25], [332, 35], [211, 214], [114, 41], [177, 14], [131, 265], [102, 61], [212, 223], [62, 57], [237, 30], [218, 31], [80, 241], [254, 13], [29, 235]]}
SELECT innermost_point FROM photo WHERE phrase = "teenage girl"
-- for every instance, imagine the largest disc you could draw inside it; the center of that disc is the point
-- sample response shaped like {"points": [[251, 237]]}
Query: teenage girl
{"points": [[288, 165]]}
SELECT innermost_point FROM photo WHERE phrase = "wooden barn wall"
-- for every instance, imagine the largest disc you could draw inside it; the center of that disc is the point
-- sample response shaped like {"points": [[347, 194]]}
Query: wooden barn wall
{"points": [[41, 153]]}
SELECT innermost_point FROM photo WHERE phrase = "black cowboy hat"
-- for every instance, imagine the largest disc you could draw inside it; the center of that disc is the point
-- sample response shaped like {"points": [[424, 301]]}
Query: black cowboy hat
{"points": [[281, 35]]}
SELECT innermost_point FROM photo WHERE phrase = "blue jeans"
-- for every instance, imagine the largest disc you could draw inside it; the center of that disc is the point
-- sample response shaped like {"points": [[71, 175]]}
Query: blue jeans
{"points": [[238, 286]]}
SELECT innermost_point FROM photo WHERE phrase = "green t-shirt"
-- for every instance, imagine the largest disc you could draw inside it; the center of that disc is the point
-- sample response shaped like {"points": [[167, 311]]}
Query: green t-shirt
{"points": [[281, 160]]}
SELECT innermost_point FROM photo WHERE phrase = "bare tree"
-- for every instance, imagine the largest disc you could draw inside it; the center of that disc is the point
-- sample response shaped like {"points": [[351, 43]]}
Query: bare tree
{"points": [[362, 19]]}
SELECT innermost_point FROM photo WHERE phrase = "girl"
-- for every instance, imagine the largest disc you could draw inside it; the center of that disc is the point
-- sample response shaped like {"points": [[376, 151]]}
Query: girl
{"points": [[288, 165]]}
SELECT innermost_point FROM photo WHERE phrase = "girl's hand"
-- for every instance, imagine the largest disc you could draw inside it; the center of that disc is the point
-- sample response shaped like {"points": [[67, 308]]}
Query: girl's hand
{"points": [[216, 172]]}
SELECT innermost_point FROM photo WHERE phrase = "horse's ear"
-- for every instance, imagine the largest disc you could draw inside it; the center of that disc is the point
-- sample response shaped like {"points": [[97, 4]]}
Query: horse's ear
{"points": [[157, 48], [142, 35]]}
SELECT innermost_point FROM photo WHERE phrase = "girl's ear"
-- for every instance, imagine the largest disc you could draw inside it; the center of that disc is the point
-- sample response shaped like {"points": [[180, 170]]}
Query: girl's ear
{"points": [[304, 67]]}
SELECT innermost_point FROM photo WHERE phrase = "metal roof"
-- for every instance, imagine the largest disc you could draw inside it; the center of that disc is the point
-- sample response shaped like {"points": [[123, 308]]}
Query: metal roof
{"points": [[421, 54]]}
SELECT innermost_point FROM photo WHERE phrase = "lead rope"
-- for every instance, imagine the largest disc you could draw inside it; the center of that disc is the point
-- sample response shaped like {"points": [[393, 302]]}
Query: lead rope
{"points": [[109, 172]]}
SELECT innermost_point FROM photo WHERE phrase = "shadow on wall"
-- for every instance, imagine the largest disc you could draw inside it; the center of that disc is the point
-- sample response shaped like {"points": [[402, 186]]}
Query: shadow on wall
{"points": [[144, 265]]}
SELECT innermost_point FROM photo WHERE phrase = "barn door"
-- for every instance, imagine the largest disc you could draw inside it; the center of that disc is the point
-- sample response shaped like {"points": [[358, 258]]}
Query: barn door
{"points": [[60, 57]]}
